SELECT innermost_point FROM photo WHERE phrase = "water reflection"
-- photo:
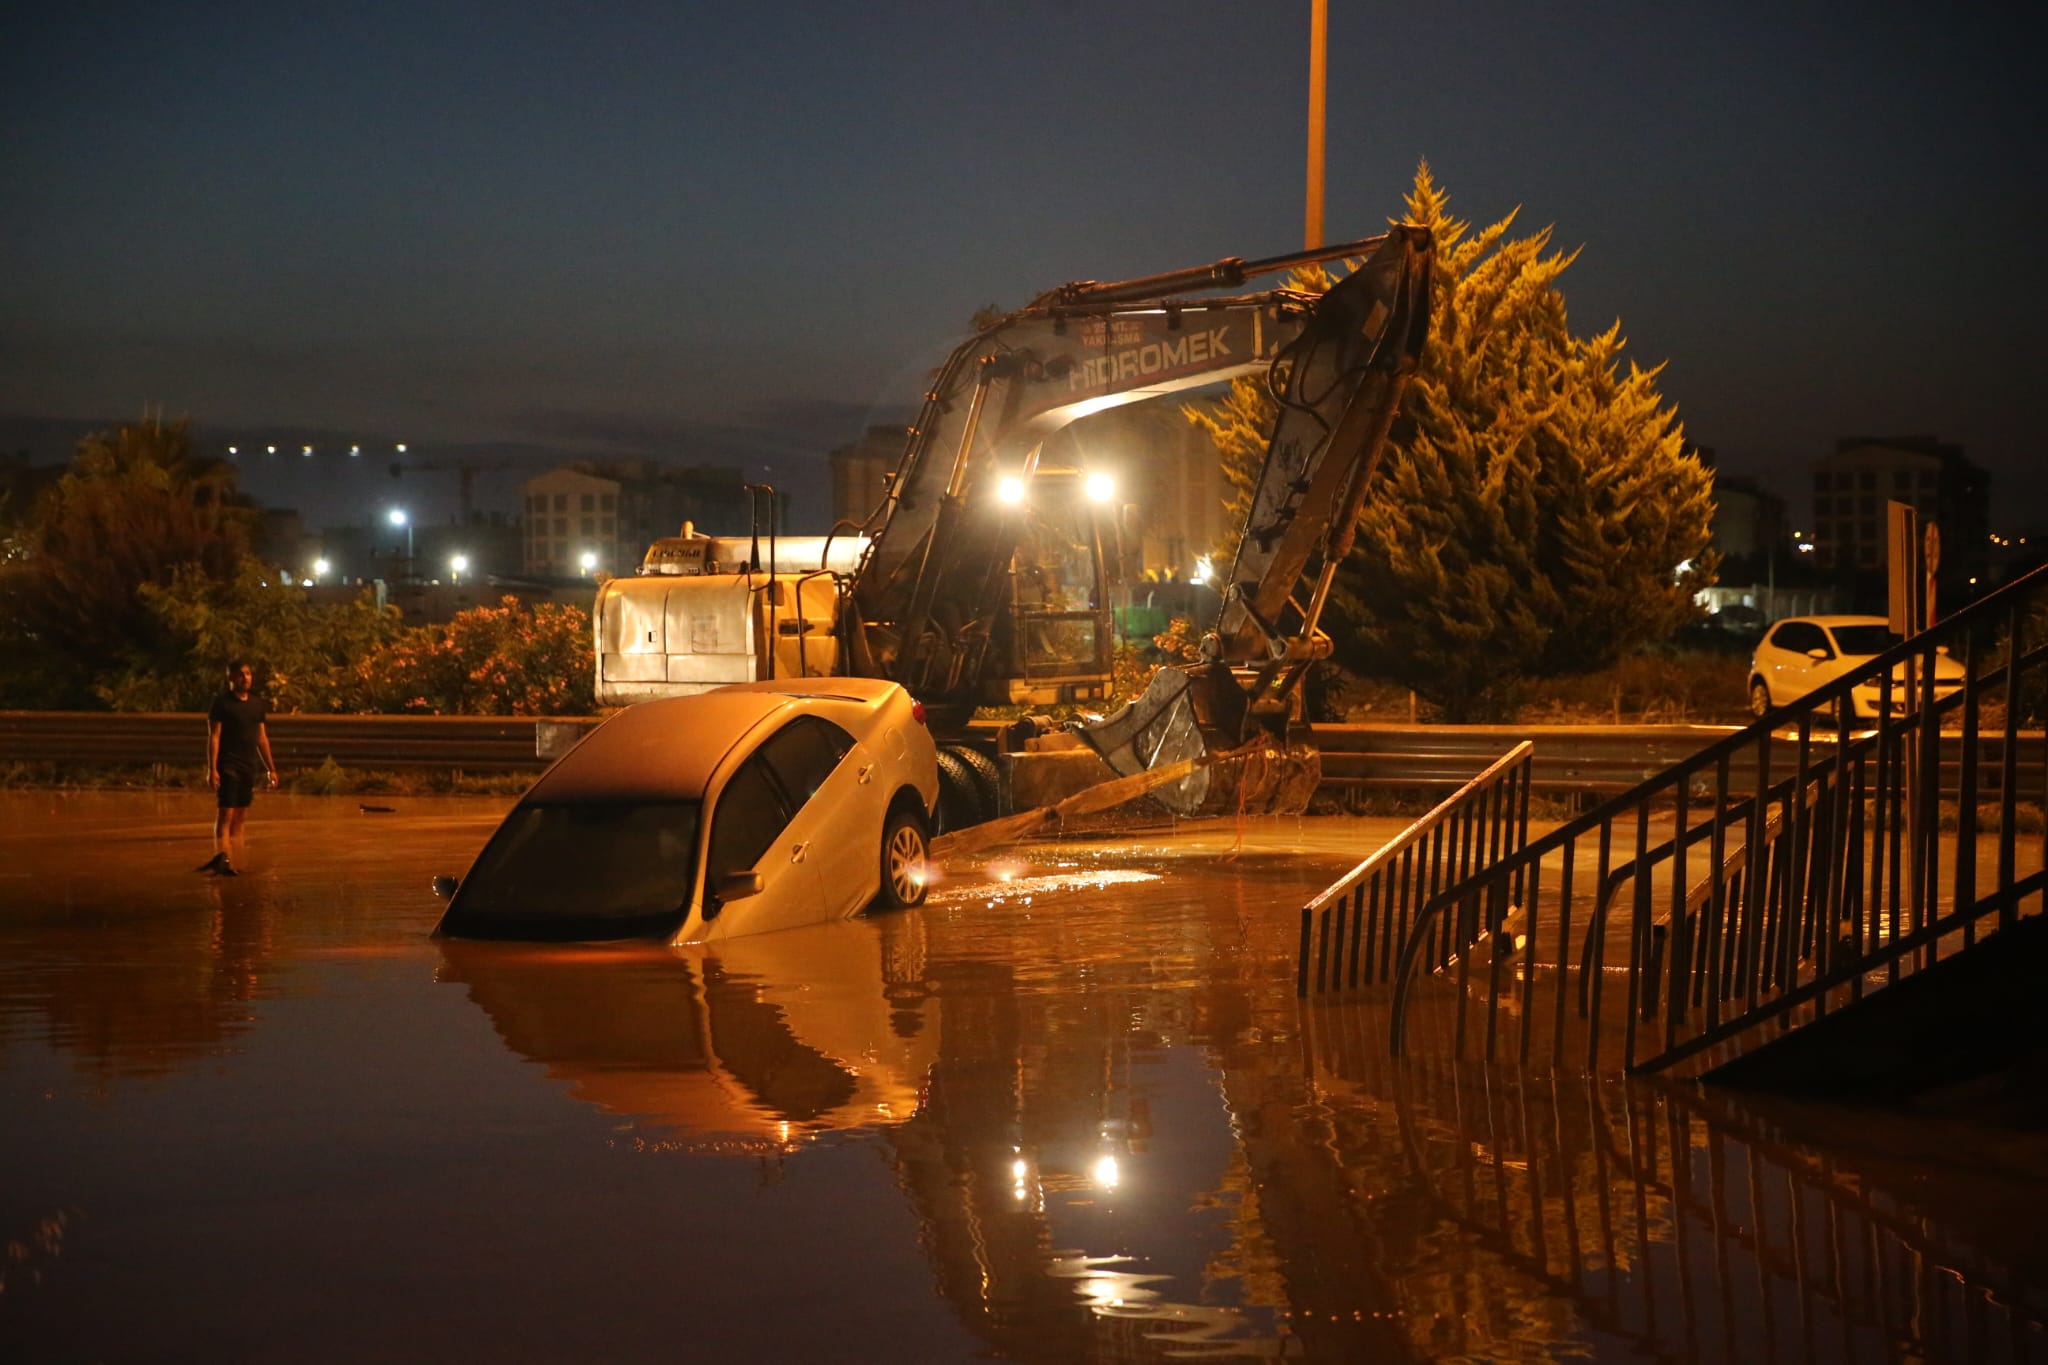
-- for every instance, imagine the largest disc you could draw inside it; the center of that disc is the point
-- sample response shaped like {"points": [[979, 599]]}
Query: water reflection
{"points": [[1542, 1216], [1086, 1117], [757, 1045], [1306, 1197], [134, 995]]}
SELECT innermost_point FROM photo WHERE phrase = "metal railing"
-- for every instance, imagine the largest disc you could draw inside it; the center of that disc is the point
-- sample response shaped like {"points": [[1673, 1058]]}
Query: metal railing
{"points": [[1353, 932], [1777, 874], [174, 739]]}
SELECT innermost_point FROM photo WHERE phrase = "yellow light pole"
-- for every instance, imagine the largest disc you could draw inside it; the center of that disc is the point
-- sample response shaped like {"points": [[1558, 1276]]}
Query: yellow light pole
{"points": [[1318, 81]]}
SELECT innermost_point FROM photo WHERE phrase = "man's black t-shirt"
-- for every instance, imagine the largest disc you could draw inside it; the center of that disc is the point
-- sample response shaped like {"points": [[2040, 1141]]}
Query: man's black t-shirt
{"points": [[239, 721]]}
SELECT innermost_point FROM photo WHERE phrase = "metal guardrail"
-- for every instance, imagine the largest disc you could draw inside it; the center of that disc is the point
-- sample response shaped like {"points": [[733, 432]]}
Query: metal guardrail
{"points": [[1596, 759], [1568, 759], [178, 739], [1577, 758]]}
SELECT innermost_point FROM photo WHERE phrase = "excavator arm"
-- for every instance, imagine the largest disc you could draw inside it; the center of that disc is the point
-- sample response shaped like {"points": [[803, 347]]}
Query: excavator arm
{"points": [[926, 602], [1338, 383]]}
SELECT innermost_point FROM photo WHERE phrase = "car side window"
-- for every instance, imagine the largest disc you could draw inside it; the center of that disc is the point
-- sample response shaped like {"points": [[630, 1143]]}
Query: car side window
{"points": [[749, 814], [1798, 637], [803, 754]]}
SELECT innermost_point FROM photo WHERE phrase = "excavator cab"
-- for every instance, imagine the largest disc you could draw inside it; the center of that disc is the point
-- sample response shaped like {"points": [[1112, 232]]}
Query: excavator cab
{"points": [[1054, 643]]}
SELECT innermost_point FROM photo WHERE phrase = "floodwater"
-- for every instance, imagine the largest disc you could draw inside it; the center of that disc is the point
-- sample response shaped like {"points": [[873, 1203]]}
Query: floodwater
{"points": [[1068, 1111]]}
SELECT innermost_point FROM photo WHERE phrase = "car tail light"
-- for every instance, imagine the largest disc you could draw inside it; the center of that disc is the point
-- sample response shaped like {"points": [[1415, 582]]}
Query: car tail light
{"points": [[917, 711]]}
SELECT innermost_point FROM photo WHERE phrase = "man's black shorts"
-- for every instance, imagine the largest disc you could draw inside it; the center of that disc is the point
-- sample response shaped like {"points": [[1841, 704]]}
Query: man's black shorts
{"points": [[236, 789]]}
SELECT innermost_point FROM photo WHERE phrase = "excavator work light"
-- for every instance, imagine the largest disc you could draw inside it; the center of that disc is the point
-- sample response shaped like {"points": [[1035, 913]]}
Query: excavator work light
{"points": [[1011, 490], [1100, 487]]}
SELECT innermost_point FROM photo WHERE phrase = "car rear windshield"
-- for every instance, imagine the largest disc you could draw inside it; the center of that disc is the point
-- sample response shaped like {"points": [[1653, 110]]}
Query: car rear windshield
{"points": [[1864, 639], [579, 870]]}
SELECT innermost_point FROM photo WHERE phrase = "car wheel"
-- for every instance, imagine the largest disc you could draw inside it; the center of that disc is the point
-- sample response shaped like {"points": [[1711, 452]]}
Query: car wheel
{"points": [[904, 847], [1759, 697]]}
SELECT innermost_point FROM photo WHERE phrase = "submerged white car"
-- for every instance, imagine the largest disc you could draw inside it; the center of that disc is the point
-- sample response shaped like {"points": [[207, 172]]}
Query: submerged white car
{"points": [[750, 808], [1803, 653]]}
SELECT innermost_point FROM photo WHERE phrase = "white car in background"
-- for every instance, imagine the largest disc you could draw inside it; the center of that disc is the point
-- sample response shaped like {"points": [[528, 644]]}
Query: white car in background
{"points": [[1803, 653], [742, 810]]}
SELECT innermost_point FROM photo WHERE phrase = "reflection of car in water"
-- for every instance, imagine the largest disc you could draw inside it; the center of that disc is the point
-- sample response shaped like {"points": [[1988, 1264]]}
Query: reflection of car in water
{"points": [[1805, 653], [750, 808], [760, 1042]]}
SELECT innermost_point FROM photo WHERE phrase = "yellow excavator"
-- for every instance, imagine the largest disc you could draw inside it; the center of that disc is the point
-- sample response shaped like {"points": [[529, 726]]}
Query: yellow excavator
{"points": [[986, 575]]}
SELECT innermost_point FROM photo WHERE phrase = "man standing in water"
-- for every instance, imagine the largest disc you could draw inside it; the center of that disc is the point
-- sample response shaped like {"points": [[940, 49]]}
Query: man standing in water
{"points": [[237, 747]]}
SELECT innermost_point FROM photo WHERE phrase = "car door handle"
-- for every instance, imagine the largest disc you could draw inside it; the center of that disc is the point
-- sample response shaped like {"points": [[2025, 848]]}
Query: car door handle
{"points": [[796, 854], [864, 773]]}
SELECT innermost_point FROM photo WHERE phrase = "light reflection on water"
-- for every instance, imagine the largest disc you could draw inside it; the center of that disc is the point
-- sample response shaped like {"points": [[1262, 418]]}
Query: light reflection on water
{"points": [[1097, 1127]]}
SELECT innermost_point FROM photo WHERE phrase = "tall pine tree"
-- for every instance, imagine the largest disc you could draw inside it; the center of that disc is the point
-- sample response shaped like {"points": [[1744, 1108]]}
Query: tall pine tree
{"points": [[1535, 504]]}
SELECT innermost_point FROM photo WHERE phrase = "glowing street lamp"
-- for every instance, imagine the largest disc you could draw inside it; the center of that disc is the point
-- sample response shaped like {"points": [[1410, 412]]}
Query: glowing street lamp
{"points": [[458, 566], [397, 517], [320, 568], [589, 561]]}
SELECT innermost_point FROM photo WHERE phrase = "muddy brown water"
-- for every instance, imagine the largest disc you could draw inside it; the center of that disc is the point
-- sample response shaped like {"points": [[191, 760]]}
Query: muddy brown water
{"points": [[1070, 1110]]}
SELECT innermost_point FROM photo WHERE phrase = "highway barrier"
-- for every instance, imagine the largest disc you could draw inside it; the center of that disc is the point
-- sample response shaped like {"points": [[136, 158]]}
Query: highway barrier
{"points": [[1568, 759]]}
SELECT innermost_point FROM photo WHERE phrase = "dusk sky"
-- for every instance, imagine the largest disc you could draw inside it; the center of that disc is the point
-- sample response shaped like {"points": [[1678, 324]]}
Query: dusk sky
{"points": [[741, 233]]}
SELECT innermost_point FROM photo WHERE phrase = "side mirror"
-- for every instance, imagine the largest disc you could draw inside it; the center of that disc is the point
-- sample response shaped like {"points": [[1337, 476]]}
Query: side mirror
{"points": [[1819, 655], [737, 886], [444, 885]]}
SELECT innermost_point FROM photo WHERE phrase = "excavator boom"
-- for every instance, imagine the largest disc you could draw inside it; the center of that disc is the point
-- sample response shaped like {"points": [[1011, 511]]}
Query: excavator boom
{"points": [[1339, 388], [925, 606]]}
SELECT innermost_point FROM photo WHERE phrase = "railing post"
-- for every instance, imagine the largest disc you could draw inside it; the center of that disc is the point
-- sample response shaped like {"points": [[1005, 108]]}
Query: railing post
{"points": [[2008, 773]]}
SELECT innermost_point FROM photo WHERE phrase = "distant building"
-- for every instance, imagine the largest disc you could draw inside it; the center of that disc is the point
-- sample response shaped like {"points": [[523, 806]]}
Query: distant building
{"points": [[281, 539], [1748, 530], [1852, 485], [609, 510], [489, 545], [861, 471]]}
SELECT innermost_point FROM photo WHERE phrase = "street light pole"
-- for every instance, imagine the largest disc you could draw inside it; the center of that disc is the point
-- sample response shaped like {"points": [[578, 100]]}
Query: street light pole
{"points": [[1318, 82], [399, 518]]}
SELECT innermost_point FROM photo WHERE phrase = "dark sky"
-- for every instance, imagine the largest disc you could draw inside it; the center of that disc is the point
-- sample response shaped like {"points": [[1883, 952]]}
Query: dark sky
{"points": [[743, 232]]}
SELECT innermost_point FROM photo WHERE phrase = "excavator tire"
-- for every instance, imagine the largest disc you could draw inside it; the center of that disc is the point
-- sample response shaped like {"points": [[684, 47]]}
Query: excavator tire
{"points": [[987, 781], [960, 799]]}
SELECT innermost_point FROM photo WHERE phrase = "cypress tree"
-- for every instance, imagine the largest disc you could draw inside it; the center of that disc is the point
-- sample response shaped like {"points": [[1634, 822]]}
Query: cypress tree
{"points": [[1535, 503]]}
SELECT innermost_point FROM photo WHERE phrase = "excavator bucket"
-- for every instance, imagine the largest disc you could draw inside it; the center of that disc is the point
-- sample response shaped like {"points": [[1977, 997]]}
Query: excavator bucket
{"points": [[1197, 716]]}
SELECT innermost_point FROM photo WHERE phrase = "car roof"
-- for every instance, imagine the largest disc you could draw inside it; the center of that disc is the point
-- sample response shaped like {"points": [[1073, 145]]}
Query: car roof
{"points": [[868, 691], [1833, 621], [668, 749]]}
